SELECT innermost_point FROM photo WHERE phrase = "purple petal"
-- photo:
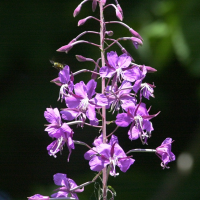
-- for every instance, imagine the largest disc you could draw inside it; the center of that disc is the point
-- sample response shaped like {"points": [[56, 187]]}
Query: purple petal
{"points": [[66, 128], [107, 72], [112, 58], [137, 85], [52, 116], [64, 75], [134, 133], [90, 113], [131, 74], [72, 102], [124, 164], [70, 114], [113, 139], [54, 131], [124, 61], [123, 120], [100, 100], [61, 180], [96, 164], [80, 89], [60, 194], [91, 86], [38, 197]]}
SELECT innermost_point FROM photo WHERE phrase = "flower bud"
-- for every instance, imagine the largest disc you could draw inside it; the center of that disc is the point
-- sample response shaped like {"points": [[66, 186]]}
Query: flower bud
{"points": [[82, 21], [120, 9], [77, 10], [65, 48], [94, 5], [109, 33], [119, 14], [136, 42], [150, 69], [135, 34], [81, 58]]}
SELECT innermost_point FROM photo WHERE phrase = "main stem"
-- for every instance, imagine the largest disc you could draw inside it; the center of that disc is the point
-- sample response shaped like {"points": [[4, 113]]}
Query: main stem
{"points": [[102, 34]]}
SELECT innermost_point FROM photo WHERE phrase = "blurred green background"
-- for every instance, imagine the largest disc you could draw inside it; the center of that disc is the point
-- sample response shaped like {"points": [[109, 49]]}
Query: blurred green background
{"points": [[31, 31]]}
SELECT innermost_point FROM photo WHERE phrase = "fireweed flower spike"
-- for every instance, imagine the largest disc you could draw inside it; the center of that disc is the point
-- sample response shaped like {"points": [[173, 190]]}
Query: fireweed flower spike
{"points": [[58, 130], [122, 90], [164, 152], [67, 185]]}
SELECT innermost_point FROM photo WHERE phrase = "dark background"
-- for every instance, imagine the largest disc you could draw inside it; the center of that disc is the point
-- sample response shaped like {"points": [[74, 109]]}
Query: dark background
{"points": [[30, 33]]}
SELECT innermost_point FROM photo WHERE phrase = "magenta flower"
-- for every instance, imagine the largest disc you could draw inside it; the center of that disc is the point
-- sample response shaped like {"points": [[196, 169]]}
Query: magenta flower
{"points": [[84, 101], [64, 81], [61, 131], [118, 67], [67, 185], [108, 154], [146, 89], [38, 197], [138, 117], [119, 96], [164, 153]]}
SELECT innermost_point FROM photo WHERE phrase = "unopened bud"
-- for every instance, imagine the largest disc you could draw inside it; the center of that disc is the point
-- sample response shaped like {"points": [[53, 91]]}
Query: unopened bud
{"points": [[77, 10], [94, 5], [136, 42], [109, 33], [135, 34], [81, 58], [120, 9], [65, 48], [82, 21], [150, 69], [119, 14]]}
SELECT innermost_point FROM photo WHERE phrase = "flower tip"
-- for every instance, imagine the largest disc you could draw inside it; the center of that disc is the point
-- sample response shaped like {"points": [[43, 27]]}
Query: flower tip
{"points": [[94, 5], [119, 15], [80, 58], [65, 48], [77, 10], [81, 22], [135, 34], [150, 69]]}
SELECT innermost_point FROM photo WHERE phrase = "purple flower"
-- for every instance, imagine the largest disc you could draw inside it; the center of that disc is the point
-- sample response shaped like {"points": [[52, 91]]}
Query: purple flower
{"points": [[83, 100], [38, 197], [146, 88], [67, 185], [138, 117], [118, 67], [61, 131], [118, 96], [108, 154], [65, 81], [164, 152]]}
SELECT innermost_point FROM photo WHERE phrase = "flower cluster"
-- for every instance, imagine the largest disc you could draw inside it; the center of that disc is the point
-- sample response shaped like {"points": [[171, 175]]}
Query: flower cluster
{"points": [[123, 92]]}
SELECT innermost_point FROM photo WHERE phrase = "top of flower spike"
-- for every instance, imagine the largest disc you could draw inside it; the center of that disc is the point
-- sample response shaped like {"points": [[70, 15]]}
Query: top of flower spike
{"points": [[94, 5]]}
